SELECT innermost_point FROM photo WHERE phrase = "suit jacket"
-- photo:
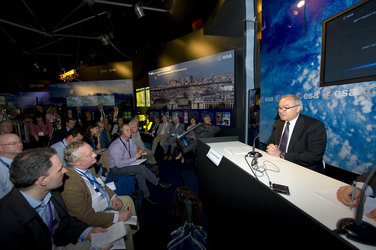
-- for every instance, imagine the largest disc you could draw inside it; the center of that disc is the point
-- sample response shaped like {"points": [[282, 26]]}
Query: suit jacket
{"points": [[97, 115], [307, 144], [154, 129], [160, 127], [21, 226], [173, 132], [78, 199], [81, 117]]}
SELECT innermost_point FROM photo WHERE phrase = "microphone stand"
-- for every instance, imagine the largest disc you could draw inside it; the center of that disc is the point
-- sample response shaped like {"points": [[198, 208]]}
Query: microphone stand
{"points": [[357, 229], [252, 153]]}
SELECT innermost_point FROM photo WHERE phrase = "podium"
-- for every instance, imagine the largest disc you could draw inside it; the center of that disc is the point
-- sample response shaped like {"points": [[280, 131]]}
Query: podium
{"points": [[243, 212]]}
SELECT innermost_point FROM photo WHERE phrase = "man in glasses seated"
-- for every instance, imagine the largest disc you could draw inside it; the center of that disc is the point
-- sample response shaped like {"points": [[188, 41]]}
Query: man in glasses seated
{"points": [[296, 137], [10, 146]]}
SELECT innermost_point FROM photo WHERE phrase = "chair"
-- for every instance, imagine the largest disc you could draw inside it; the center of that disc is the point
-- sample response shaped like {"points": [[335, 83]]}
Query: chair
{"points": [[125, 185]]}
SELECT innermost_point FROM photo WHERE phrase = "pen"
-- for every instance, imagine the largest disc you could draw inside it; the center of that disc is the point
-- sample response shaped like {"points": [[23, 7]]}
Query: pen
{"points": [[353, 190]]}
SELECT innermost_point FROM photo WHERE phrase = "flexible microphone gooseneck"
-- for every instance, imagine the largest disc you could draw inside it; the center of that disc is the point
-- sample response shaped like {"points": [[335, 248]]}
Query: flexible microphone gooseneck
{"points": [[357, 229], [252, 153]]}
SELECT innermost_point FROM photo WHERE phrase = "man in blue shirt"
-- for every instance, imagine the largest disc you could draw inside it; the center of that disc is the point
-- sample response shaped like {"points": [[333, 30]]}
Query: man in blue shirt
{"points": [[74, 134], [33, 214], [123, 160], [10, 146]]}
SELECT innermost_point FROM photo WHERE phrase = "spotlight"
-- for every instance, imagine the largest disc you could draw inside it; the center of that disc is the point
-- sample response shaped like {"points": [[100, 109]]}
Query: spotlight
{"points": [[139, 10], [105, 39]]}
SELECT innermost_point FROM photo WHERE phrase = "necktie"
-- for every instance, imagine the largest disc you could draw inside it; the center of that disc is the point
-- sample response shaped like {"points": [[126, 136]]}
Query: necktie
{"points": [[284, 139], [102, 115]]}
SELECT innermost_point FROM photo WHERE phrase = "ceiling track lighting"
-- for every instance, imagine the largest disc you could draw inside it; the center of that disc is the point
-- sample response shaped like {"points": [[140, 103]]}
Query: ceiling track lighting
{"points": [[139, 10]]}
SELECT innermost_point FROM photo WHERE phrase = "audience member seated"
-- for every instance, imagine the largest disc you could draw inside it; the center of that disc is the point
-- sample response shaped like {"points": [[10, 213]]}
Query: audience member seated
{"points": [[193, 121], [88, 198], [74, 134], [107, 128], [123, 155], [40, 130], [26, 217], [6, 127], [344, 193], [100, 114], [207, 120], [116, 129], [61, 133], [80, 116], [161, 133], [92, 138], [38, 109], [176, 129], [149, 135], [10, 146], [67, 115], [136, 138], [114, 115], [105, 143]]}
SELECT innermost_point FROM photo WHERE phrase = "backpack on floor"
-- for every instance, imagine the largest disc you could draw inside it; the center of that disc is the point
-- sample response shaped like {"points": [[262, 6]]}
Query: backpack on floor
{"points": [[181, 207]]}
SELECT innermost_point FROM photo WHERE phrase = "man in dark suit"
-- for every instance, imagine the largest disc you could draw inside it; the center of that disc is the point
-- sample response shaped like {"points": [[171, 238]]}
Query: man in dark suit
{"points": [[100, 114], [32, 214], [296, 137], [80, 116]]}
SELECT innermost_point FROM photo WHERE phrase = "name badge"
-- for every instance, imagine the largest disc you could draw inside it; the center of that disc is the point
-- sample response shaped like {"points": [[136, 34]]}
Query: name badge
{"points": [[40, 134]]}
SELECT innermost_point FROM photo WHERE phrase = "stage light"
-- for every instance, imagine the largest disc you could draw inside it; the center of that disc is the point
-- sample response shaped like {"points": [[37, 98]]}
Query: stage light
{"points": [[300, 4], [69, 75], [139, 10]]}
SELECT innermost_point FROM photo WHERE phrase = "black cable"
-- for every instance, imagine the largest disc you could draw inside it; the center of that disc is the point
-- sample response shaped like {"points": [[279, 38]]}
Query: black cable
{"points": [[245, 157], [256, 169]]}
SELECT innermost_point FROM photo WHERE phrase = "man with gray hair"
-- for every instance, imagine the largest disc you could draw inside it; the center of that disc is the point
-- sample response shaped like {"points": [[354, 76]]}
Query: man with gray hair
{"points": [[176, 129], [88, 198], [296, 137], [35, 216], [136, 138]]}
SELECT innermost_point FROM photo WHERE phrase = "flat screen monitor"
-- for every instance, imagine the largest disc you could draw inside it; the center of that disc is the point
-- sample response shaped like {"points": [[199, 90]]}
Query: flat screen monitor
{"points": [[188, 140], [348, 52]]}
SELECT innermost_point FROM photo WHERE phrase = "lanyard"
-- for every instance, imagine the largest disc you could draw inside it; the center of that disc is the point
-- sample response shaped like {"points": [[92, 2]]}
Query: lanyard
{"points": [[4, 163], [128, 148], [97, 188], [62, 141], [51, 217], [41, 126], [93, 140], [90, 180]]}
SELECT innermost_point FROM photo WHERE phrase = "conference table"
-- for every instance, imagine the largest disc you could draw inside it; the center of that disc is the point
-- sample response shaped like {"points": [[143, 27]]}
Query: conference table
{"points": [[243, 212]]}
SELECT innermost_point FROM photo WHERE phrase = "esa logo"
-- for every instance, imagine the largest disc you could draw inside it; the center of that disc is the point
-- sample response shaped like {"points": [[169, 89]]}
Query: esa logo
{"points": [[224, 57]]}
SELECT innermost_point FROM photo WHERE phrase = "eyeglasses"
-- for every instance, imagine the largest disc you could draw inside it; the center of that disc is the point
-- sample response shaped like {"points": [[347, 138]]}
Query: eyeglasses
{"points": [[286, 108], [12, 143]]}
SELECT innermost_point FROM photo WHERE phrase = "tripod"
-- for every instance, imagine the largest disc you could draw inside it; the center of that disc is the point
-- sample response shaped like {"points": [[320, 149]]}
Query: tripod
{"points": [[54, 128]]}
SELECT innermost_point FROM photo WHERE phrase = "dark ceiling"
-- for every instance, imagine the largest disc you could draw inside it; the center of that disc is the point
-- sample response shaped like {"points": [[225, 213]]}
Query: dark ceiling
{"points": [[46, 36]]}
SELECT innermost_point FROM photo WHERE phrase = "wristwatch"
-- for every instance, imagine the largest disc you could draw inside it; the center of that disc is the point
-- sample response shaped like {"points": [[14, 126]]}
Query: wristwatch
{"points": [[282, 155]]}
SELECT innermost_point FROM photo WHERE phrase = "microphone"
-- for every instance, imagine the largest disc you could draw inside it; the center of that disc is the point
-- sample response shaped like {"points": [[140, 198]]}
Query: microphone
{"points": [[255, 157], [253, 153], [357, 229]]}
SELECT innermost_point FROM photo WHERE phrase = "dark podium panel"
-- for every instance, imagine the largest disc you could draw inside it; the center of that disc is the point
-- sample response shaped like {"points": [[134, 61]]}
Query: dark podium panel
{"points": [[243, 213]]}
